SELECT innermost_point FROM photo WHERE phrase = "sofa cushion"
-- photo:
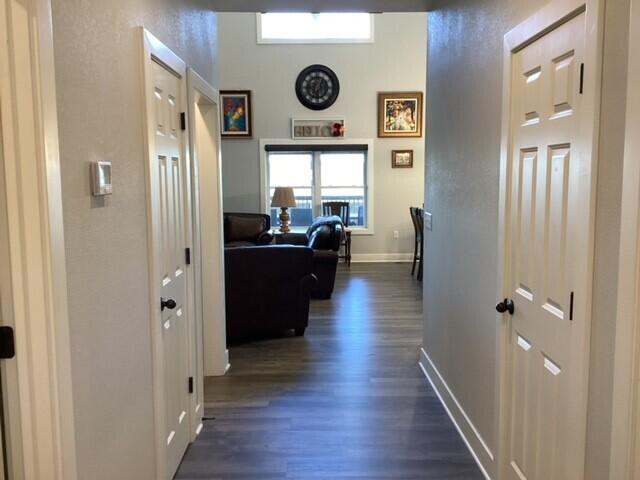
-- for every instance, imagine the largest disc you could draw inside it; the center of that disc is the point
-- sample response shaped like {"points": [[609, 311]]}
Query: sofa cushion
{"points": [[238, 243], [244, 228]]}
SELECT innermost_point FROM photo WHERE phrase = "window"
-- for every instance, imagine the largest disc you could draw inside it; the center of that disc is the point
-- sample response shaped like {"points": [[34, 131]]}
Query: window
{"points": [[315, 27], [319, 175]]}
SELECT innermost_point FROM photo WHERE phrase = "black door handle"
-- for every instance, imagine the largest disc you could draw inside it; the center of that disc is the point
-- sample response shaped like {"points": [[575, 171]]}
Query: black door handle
{"points": [[506, 306], [170, 303]]}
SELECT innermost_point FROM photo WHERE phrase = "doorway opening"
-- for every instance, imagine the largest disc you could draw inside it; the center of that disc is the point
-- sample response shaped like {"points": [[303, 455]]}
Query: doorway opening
{"points": [[288, 341]]}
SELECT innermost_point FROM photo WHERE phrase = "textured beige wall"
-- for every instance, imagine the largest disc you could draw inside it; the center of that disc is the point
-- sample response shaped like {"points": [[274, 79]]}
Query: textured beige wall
{"points": [[98, 54], [463, 145], [395, 62]]}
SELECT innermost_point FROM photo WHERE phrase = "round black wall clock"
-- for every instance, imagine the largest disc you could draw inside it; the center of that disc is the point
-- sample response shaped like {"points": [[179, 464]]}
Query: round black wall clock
{"points": [[317, 87]]}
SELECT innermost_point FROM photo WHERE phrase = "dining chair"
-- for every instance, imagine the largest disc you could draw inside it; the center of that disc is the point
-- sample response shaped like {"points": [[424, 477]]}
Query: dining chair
{"points": [[420, 216], [413, 211], [342, 210]]}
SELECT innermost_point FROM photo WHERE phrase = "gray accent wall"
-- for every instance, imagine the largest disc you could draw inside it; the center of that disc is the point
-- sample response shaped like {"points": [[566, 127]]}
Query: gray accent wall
{"points": [[99, 90], [462, 254], [396, 61], [463, 161]]}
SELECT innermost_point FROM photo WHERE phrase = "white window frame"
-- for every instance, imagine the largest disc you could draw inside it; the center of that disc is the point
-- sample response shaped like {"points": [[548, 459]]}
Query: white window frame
{"points": [[262, 40], [369, 188]]}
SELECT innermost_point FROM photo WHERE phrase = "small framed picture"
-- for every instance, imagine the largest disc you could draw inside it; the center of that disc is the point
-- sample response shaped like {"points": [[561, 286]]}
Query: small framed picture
{"points": [[400, 114], [236, 115], [402, 158]]}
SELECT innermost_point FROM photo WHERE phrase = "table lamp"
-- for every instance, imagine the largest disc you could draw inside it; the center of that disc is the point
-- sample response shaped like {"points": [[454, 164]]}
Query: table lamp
{"points": [[283, 198]]}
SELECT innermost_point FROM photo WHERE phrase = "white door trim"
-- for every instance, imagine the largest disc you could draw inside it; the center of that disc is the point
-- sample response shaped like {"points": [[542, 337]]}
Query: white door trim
{"points": [[33, 279], [626, 395], [154, 50], [208, 230], [548, 18]]}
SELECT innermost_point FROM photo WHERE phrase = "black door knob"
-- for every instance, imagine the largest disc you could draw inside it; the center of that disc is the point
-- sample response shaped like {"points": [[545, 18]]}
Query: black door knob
{"points": [[170, 303], [506, 306]]}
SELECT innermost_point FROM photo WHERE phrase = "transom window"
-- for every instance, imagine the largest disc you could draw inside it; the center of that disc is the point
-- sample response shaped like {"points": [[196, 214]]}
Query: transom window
{"points": [[315, 27], [319, 176]]}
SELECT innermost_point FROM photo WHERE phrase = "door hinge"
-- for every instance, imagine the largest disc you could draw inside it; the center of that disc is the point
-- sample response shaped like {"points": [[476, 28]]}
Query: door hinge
{"points": [[190, 384], [187, 256], [183, 121], [581, 77], [7, 343], [571, 307]]}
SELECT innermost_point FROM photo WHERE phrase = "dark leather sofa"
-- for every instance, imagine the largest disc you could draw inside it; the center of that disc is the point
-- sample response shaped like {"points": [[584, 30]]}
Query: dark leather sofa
{"points": [[246, 229], [324, 236], [267, 290]]}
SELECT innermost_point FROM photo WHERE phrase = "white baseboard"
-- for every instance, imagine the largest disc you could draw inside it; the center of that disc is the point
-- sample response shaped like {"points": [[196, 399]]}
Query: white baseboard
{"points": [[381, 257], [469, 433]]}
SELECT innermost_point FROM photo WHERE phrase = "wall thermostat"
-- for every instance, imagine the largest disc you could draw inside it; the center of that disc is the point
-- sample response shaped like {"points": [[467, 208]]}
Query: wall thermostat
{"points": [[101, 179]]}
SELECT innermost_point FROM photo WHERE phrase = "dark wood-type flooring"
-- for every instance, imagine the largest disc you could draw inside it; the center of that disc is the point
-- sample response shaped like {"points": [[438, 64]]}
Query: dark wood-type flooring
{"points": [[346, 401]]}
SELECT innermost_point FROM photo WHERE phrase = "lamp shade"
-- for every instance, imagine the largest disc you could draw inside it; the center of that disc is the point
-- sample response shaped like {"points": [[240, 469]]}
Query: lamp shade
{"points": [[283, 197]]}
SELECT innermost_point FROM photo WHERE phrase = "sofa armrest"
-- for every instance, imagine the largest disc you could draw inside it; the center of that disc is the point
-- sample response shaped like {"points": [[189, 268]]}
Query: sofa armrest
{"points": [[329, 257], [265, 238], [308, 283], [292, 239]]}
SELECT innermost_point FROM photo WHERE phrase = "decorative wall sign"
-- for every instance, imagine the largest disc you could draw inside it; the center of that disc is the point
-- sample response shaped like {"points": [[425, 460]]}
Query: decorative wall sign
{"points": [[236, 113], [317, 87], [402, 158], [400, 114], [317, 128]]}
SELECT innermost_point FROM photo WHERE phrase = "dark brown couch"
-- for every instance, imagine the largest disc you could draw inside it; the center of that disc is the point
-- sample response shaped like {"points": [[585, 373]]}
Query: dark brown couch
{"points": [[246, 229], [324, 236], [267, 290]]}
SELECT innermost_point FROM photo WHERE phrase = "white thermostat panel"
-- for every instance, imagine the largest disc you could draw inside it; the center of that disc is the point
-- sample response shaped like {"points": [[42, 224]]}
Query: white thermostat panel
{"points": [[101, 178]]}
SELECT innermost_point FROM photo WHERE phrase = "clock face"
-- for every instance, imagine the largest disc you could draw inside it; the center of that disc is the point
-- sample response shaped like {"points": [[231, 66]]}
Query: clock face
{"points": [[317, 87]]}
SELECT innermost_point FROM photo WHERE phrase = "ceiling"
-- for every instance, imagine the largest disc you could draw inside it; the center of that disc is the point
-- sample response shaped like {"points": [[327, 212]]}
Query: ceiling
{"points": [[322, 5]]}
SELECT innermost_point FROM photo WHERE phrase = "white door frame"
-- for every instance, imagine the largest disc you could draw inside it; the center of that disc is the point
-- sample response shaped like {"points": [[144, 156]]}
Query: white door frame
{"points": [[37, 382], [545, 20], [626, 394], [154, 51], [208, 237]]}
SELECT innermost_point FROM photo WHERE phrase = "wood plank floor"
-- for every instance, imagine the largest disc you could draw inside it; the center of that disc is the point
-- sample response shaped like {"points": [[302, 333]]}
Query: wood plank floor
{"points": [[346, 401]]}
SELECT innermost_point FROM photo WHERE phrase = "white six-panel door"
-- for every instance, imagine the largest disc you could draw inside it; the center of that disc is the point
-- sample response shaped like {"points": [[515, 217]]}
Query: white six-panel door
{"points": [[550, 214], [171, 274]]}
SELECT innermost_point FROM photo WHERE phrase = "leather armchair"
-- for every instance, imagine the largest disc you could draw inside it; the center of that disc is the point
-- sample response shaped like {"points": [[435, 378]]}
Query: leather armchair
{"points": [[324, 236], [246, 229], [267, 290]]}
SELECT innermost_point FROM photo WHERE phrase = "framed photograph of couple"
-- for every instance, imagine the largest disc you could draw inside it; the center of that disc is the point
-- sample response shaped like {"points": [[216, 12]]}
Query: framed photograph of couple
{"points": [[400, 114], [235, 113]]}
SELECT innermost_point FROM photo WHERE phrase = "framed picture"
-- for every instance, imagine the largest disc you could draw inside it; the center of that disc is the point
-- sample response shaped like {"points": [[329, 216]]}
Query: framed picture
{"points": [[402, 158], [400, 114], [236, 115]]}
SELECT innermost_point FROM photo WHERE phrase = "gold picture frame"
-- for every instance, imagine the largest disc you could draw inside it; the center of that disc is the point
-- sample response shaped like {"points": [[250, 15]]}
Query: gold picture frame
{"points": [[399, 114], [401, 158]]}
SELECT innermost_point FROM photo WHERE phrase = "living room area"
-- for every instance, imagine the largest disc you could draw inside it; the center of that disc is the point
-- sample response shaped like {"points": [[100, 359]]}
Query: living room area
{"points": [[323, 147]]}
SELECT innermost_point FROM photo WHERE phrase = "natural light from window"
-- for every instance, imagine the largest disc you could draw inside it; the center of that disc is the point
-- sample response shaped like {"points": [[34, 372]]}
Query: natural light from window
{"points": [[315, 27], [318, 177]]}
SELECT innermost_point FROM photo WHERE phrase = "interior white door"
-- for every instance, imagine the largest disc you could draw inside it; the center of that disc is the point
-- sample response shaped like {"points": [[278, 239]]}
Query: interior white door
{"points": [[549, 257], [171, 195]]}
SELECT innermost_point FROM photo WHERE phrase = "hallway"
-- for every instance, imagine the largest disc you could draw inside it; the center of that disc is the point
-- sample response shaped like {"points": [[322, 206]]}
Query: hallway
{"points": [[347, 401]]}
